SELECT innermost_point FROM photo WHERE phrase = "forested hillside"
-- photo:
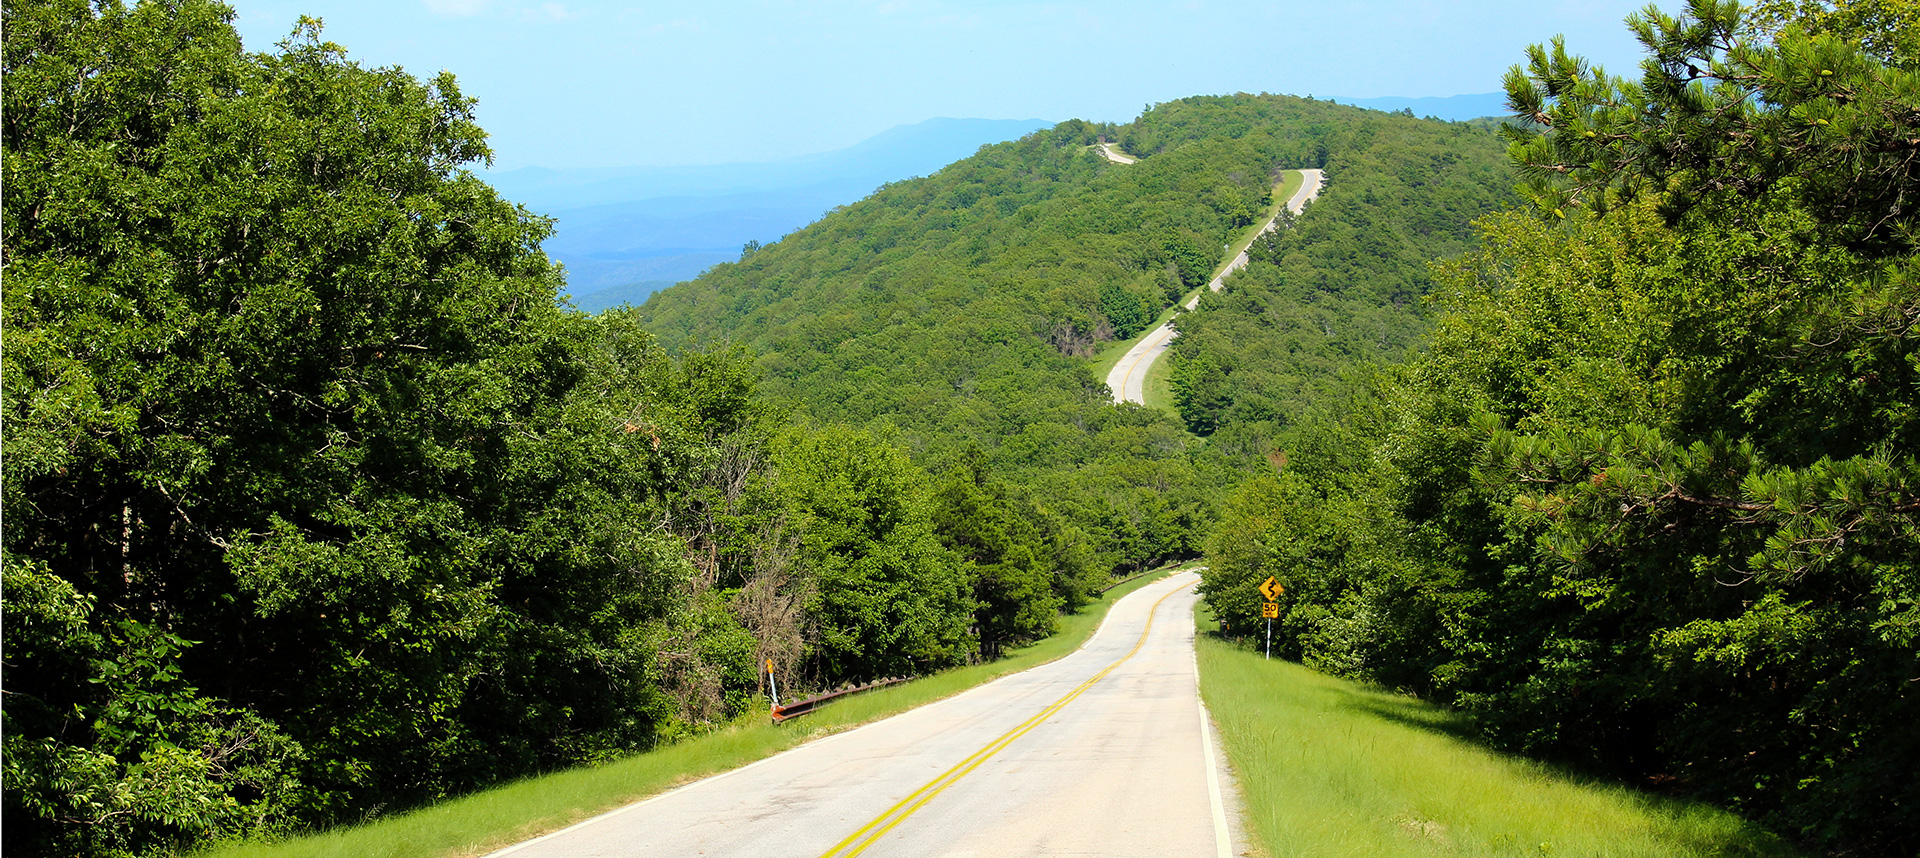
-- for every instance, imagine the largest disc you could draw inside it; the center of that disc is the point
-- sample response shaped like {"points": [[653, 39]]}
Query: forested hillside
{"points": [[961, 309], [1647, 502], [317, 506], [1342, 289]]}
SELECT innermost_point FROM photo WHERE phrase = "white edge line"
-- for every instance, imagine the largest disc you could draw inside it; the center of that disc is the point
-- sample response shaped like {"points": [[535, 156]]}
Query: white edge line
{"points": [[508, 850], [1222, 840]]}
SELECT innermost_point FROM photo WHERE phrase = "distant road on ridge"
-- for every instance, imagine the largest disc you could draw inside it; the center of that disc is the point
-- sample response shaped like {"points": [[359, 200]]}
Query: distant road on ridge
{"points": [[1128, 380]]}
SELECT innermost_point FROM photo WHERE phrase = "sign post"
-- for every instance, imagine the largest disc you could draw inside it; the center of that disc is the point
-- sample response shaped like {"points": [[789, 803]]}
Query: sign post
{"points": [[1270, 609], [772, 690]]}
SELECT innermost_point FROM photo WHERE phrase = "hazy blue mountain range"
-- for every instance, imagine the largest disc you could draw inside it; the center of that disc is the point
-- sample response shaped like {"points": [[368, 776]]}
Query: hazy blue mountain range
{"points": [[1452, 108], [625, 231]]}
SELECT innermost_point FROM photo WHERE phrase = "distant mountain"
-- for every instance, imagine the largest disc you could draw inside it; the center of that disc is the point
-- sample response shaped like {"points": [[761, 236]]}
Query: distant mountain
{"points": [[1453, 107], [632, 293], [621, 226], [968, 303]]}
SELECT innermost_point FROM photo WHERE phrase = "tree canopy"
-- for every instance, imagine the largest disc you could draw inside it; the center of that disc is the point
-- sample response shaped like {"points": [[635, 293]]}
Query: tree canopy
{"points": [[317, 502], [960, 309], [1647, 501]]}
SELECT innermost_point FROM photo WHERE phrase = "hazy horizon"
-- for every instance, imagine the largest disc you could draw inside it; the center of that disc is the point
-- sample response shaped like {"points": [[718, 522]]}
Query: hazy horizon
{"points": [[586, 83]]}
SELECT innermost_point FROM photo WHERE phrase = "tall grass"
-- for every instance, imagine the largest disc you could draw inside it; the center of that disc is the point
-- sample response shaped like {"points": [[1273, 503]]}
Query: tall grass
{"points": [[1335, 768], [490, 819]]}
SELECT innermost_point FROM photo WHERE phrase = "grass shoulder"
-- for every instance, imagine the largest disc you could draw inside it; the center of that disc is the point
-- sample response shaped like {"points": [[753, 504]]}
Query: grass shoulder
{"points": [[1110, 354], [1157, 390], [492, 819], [1332, 767]]}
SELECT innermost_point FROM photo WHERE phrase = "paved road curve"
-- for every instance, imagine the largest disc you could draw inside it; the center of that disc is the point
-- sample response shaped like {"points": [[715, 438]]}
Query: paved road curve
{"points": [[1114, 154], [1129, 377], [1105, 752]]}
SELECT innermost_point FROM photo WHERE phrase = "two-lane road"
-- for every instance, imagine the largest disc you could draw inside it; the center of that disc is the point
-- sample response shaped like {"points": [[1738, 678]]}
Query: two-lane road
{"points": [[1128, 380], [1105, 752]]}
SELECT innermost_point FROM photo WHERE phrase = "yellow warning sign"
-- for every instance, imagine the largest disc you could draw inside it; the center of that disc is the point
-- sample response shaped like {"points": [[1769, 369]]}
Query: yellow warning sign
{"points": [[1270, 610]]}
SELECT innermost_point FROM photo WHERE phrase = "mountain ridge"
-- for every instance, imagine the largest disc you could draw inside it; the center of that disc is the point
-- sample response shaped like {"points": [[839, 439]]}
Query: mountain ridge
{"points": [[618, 227]]}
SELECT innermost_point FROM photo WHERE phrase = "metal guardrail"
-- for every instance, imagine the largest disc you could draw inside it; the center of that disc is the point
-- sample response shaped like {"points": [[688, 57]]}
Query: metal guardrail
{"points": [[801, 707]]}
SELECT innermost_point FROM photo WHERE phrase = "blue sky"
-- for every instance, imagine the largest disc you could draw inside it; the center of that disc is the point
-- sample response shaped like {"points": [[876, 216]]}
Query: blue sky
{"points": [[580, 83]]}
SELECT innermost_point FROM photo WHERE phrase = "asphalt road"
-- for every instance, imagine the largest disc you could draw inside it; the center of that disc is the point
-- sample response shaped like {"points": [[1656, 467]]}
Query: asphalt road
{"points": [[1115, 156], [1129, 377], [1105, 752]]}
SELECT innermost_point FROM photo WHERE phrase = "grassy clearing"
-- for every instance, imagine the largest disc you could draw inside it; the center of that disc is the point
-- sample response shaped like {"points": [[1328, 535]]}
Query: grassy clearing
{"points": [[494, 818], [1110, 354], [1095, 149], [1290, 183], [1335, 768]]}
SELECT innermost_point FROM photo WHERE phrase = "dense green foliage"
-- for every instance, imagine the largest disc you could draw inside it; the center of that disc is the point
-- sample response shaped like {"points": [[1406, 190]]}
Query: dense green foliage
{"points": [[317, 503], [314, 501], [958, 309], [1342, 288], [1648, 502]]}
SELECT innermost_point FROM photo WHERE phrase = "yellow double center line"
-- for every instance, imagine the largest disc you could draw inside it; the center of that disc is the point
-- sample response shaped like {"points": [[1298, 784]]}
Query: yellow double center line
{"points": [[858, 841]]}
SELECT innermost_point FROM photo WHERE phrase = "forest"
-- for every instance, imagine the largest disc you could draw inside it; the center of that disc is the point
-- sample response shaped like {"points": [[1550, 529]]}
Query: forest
{"points": [[320, 504], [960, 311], [1645, 504]]}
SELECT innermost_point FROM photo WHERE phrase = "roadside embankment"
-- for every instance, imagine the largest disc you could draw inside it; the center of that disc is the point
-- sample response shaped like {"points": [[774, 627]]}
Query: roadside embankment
{"points": [[1336, 768]]}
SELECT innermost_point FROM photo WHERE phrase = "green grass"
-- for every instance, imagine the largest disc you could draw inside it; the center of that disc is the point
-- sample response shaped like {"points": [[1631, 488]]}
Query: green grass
{"points": [[1336, 768], [484, 821], [1110, 354], [1095, 149], [1157, 390]]}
